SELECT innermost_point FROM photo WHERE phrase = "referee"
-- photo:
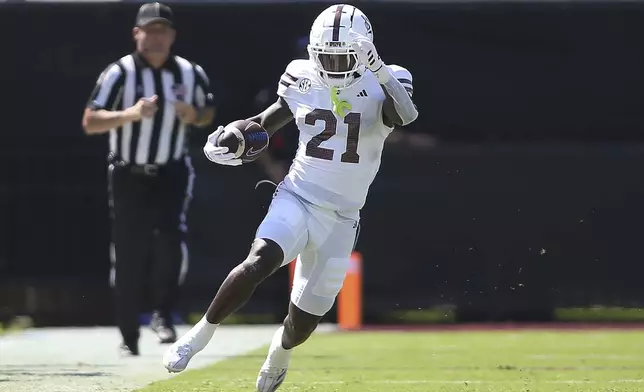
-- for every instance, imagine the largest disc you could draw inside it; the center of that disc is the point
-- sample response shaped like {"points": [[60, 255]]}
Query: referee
{"points": [[147, 101]]}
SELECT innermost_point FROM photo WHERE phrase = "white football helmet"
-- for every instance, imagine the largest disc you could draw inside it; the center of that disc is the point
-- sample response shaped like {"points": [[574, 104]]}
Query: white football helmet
{"points": [[330, 45]]}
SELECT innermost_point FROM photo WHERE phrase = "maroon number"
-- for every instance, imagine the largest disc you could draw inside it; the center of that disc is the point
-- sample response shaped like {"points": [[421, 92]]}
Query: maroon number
{"points": [[313, 148], [353, 134]]}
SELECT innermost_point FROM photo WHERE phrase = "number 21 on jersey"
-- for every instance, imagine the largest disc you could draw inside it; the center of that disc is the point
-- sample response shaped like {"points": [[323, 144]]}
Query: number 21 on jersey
{"points": [[313, 148]]}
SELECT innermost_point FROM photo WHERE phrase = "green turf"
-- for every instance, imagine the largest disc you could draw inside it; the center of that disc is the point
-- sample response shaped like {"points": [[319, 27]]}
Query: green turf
{"points": [[535, 361]]}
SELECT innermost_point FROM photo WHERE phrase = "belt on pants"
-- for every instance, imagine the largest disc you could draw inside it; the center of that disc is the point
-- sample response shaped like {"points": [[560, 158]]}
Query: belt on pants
{"points": [[147, 170], [150, 170]]}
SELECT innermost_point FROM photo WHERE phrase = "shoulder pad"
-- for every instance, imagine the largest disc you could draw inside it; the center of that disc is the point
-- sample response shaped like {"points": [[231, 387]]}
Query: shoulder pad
{"points": [[296, 79]]}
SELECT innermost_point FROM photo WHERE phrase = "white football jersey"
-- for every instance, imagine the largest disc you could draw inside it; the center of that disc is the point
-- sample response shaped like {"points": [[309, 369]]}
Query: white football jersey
{"points": [[338, 156]]}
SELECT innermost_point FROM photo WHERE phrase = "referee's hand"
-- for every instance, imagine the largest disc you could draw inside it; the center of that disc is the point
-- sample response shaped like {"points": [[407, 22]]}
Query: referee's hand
{"points": [[145, 107]]}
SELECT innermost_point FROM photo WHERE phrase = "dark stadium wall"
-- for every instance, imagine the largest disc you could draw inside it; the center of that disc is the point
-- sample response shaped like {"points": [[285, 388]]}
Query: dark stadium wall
{"points": [[530, 200]]}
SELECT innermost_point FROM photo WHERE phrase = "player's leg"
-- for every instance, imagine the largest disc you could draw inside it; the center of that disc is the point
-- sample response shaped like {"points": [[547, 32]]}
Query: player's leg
{"points": [[319, 275], [297, 327], [280, 237]]}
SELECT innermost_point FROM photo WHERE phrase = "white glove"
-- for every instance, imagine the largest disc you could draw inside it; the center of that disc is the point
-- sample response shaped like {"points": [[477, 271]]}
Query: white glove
{"points": [[368, 56], [219, 154]]}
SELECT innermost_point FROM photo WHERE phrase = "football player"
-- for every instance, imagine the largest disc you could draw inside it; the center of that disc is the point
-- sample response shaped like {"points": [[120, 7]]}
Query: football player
{"points": [[345, 101]]}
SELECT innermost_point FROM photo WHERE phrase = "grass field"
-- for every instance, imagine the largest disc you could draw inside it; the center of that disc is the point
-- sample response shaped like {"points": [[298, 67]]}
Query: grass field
{"points": [[472, 361]]}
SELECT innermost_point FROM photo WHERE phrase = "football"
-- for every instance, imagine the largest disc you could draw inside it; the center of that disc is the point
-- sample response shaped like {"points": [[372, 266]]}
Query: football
{"points": [[246, 139]]}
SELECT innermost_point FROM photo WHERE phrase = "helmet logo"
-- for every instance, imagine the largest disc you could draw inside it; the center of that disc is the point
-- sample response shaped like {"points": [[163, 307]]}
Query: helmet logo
{"points": [[304, 85], [367, 25]]}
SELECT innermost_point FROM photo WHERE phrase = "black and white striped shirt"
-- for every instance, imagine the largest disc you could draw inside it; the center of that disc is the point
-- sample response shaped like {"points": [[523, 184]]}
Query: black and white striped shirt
{"points": [[162, 138]]}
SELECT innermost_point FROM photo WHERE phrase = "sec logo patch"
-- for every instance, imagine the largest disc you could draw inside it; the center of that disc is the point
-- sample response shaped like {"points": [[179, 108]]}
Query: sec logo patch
{"points": [[304, 85]]}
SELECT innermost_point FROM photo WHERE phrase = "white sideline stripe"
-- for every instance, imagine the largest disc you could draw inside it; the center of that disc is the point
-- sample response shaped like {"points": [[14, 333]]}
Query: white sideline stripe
{"points": [[332, 382]]}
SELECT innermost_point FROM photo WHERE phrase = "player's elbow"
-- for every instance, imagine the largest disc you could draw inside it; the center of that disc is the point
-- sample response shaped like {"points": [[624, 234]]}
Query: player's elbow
{"points": [[410, 118], [403, 119], [408, 114]]}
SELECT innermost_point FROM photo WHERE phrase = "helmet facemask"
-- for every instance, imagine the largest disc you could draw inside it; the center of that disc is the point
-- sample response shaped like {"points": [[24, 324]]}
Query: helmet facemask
{"points": [[337, 64]]}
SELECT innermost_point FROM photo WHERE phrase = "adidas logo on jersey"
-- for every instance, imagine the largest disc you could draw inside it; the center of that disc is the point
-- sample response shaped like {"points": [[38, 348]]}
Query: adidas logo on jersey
{"points": [[363, 93]]}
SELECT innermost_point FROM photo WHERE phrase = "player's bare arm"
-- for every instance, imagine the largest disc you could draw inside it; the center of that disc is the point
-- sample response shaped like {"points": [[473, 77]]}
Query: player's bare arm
{"points": [[274, 117]]}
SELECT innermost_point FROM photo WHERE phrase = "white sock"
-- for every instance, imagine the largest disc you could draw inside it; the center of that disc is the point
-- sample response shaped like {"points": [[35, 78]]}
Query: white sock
{"points": [[200, 334], [278, 356]]}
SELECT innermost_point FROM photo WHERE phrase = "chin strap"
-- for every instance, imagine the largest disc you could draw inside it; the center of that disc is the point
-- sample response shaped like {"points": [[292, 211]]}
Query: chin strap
{"points": [[339, 105]]}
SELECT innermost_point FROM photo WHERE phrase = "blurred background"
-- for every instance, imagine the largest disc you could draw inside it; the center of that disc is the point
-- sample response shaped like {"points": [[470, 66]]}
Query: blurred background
{"points": [[517, 195]]}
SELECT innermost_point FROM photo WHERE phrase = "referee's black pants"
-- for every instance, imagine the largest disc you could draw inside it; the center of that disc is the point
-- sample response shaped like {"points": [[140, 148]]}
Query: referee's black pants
{"points": [[148, 251]]}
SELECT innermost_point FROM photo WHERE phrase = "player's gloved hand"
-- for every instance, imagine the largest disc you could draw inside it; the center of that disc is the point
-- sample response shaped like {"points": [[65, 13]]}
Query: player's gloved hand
{"points": [[219, 154], [368, 56]]}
